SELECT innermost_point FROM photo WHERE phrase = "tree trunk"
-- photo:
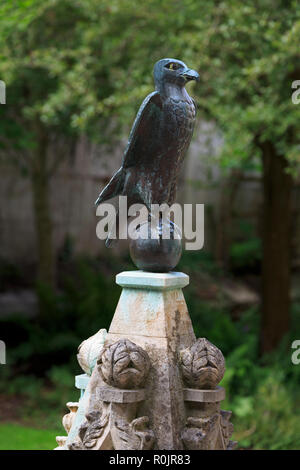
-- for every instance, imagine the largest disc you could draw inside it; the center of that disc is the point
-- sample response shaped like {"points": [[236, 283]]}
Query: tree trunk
{"points": [[228, 194], [43, 221], [277, 185]]}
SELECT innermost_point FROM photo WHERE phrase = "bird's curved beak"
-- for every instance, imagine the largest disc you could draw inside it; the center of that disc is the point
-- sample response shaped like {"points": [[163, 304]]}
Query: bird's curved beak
{"points": [[190, 74]]}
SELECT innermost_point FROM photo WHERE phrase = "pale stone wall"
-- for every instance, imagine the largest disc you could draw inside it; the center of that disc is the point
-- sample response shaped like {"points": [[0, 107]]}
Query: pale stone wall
{"points": [[73, 192]]}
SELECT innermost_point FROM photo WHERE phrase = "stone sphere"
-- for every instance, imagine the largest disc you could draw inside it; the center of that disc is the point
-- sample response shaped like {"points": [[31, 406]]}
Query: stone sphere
{"points": [[156, 247]]}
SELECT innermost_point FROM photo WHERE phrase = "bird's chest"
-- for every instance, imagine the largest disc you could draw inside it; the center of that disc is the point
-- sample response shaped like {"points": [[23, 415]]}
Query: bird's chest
{"points": [[179, 119]]}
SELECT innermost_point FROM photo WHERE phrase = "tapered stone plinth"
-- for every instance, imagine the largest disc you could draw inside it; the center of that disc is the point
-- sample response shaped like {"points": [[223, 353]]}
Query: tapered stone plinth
{"points": [[152, 384], [152, 313]]}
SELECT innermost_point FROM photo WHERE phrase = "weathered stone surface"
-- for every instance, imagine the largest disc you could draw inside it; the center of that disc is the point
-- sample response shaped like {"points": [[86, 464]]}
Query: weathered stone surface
{"points": [[90, 349], [137, 396], [133, 436], [91, 430], [123, 364], [204, 396], [61, 440], [207, 427], [202, 365], [156, 309], [227, 430], [145, 280], [68, 419], [153, 314], [115, 395], [201, 433], [114, 424], [82, 409], [81, 382]]}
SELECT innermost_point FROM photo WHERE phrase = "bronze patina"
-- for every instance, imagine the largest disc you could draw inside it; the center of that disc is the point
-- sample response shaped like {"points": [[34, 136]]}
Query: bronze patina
{"points": [[158, 141]]}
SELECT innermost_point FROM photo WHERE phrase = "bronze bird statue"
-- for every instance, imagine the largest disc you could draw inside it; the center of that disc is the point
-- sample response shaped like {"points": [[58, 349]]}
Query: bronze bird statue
{"points": [[158, 140]]}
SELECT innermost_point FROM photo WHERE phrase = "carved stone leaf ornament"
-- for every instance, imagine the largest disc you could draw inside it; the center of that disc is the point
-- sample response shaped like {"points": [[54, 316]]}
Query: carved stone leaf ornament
{"points": [[134, 435], [201, 433], [124, 364], [91, 430], [207, 427], [202, 365], [227, 430]]}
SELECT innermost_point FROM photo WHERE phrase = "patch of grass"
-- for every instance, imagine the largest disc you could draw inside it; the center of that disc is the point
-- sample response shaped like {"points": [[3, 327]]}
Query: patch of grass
{"points": [[17, 437]]}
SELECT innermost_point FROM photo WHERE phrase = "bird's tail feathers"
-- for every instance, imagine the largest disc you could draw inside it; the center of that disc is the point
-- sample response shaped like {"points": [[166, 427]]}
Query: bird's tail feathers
{"points": [[111, 240], [113, 188]]}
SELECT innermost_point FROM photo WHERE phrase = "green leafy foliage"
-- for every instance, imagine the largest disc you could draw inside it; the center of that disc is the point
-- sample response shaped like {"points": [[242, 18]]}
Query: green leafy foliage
{"points": [[85, 304], [91, 62], [246, 252]]}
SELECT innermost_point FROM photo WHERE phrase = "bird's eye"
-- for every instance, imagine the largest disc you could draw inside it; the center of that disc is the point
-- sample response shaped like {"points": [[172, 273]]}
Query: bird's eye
{"points": [[172, 66]]}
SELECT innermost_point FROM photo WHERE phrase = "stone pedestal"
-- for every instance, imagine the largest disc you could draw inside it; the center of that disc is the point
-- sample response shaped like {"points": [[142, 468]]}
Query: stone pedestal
{"points": [[152, 313], [154, 385]]}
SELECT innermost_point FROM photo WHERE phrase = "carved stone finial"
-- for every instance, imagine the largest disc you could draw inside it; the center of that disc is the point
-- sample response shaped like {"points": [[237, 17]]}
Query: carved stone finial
{"points": [[124, 364], [202, 365], [61, 440], [68, 419], [89, 351]]}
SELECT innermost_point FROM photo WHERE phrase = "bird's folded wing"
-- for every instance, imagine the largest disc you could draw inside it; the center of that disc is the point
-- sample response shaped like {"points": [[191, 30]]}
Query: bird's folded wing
{"points": [[144, 132]]}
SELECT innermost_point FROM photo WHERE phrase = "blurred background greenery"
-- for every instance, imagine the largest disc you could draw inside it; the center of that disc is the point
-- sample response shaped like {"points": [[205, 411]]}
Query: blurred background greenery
{"points": [[81, 68]]}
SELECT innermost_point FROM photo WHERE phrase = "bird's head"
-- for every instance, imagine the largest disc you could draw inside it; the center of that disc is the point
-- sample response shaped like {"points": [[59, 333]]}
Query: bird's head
{"points": [[173, 71]]}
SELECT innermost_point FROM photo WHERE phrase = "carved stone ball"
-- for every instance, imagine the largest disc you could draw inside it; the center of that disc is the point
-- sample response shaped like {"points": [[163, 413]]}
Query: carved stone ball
{"points": [[156, 247], [202, 365], [124, 365]]}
